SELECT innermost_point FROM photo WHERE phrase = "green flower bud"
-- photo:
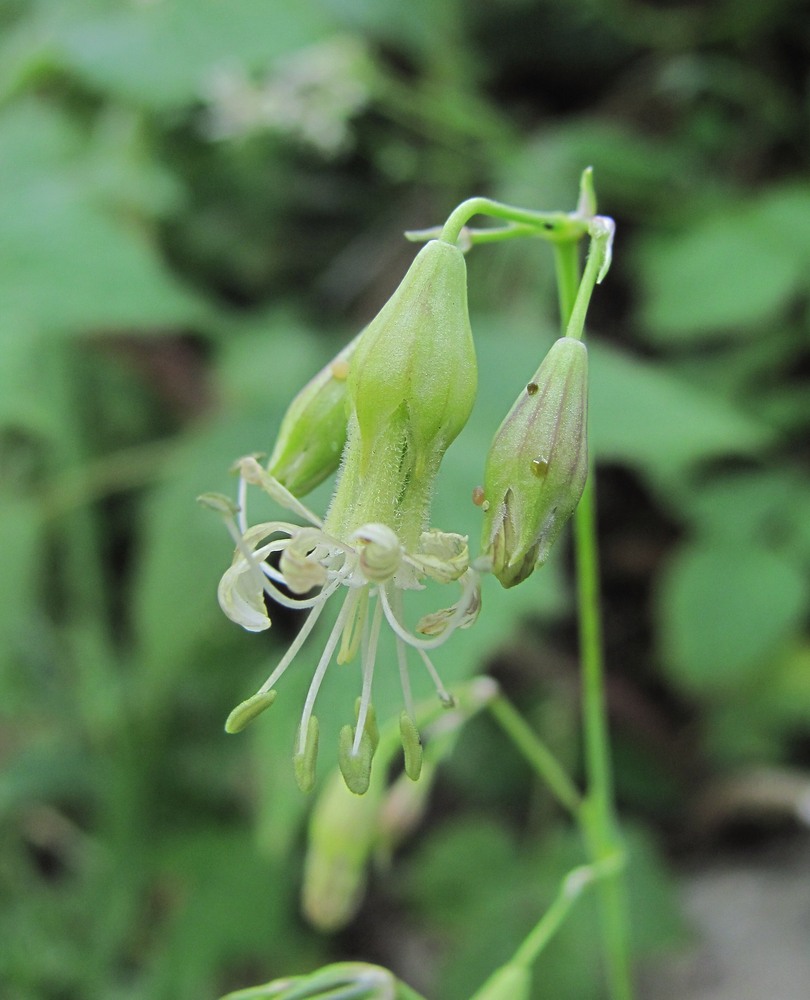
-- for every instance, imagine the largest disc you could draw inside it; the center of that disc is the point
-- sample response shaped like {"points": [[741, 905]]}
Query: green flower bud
{"points": [[313, 432], [342, 835], [537, 465], [411, 388], [418, 353]]}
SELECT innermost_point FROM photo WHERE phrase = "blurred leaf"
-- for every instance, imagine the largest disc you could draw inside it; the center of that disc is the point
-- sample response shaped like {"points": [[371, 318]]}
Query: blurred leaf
{"points": [[482, 895], [724, 609], [68, 264], [641, 414], [729, 272], [164, 55]]}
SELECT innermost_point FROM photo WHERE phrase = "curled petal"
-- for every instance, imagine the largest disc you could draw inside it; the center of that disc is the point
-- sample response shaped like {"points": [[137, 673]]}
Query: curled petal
{"points": [[241, 597], [380, 552], [443, 555], [462, 614], [301, 570]]}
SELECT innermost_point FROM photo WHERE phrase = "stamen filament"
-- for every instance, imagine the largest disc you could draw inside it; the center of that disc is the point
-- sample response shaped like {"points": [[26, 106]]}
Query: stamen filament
{"points": [[323, 663], [294, 646], [452, 622], [444, 695], [368, 673], [404, 679]]}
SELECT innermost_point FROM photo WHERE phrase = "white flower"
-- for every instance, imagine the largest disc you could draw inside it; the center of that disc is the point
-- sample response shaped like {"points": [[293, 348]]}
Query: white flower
{"points": [[372, 568]]}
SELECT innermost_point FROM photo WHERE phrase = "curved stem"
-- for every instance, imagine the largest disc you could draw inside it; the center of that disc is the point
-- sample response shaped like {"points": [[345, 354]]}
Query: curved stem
{"points": [[536, 753], [554, 226]]}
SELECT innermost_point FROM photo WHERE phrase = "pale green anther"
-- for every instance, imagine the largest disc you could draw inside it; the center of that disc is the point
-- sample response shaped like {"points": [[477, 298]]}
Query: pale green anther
{"points": [[220, 503], [248, 710], [370, 726], [510, 982], [411, 746], [304, 761], [537, 465], [313, 432], [355, 767]]}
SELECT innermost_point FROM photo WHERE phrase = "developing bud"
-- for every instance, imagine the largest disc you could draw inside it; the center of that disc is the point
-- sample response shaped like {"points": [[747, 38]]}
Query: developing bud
{"points": [[313, 432], [418, 353], [537, 465], [411, 388]]}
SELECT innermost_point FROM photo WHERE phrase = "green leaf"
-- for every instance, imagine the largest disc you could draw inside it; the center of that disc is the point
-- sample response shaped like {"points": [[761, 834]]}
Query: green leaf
{"points": [[724, 610], [642, 414], [68, 262], [730, 272], [165, 55]]}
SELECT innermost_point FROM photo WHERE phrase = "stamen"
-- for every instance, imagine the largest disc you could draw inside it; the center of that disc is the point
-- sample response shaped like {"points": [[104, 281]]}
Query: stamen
{"points": [[293, 648], [355, 629], [252, 472], [413, 640], [444, 695], [323, 663], [368, 674], [404, 679]]}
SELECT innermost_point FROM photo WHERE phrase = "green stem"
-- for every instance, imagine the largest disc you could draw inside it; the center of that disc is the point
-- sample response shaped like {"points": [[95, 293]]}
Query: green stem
{"points": [[573, 316], [554, 226], [573, 886], [597, 815], [536, 753]]}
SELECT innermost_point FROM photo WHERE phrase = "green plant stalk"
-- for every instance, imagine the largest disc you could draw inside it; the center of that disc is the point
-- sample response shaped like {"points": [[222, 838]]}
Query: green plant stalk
{"points": [[557, 227], [537, 754], [573, 886], [598, 819]]}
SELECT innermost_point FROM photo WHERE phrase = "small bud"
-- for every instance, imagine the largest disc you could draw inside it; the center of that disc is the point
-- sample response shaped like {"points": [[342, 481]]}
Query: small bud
{"points": [[537, 465], [312, 434], [246, 711], [304, 761], [411, 745]]}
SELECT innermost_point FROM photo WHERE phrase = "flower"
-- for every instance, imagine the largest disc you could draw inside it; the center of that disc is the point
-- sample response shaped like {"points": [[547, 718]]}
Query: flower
{"points": [[372, 569], [410, 381]]}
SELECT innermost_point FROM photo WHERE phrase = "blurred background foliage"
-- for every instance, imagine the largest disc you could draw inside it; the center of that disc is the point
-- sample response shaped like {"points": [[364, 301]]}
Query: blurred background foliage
{"points": [[200, 201]]}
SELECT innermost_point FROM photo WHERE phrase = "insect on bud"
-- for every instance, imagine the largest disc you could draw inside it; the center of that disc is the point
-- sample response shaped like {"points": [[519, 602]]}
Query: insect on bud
{"points": [[537, 465], [313, 432]]}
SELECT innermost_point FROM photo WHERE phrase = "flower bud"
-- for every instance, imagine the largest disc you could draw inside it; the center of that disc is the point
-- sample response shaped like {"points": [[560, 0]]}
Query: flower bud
{"points": [[418, 353], [313, 432], [537, 465], [342, 834], [411, 388]]}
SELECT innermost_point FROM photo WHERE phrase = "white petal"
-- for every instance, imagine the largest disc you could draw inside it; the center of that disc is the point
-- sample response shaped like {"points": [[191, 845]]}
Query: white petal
{"points": [[241, 597]]}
